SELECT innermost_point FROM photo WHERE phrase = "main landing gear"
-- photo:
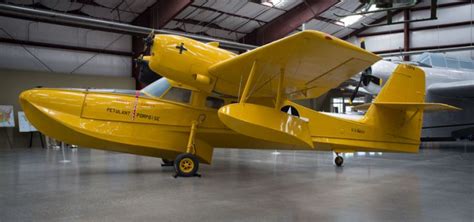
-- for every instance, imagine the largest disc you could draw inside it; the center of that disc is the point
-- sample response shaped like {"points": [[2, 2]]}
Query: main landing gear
{"points": [[187, 164], [338, 160]]}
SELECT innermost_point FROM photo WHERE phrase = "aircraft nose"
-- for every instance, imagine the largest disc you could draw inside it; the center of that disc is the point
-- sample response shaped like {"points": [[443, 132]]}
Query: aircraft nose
{"points": [[25, 96], [53, 100]]}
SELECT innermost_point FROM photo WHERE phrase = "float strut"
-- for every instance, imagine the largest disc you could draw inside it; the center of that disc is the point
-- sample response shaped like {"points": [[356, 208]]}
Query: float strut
{"points": [[279, 90], [245, 93]]}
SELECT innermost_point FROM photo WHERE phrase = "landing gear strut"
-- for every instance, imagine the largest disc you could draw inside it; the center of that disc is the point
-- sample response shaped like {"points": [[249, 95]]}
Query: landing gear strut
{"points": [[187, 164], [338, 160]]}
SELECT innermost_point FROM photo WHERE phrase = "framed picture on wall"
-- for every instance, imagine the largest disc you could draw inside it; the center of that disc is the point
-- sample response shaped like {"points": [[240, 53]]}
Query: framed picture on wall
{"points": [[7, 118], [24, 124]]}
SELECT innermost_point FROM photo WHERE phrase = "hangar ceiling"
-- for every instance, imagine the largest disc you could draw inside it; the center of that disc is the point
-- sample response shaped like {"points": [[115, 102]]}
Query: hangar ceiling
{"points": [[226, 19], [121, 11], [26, 37]]}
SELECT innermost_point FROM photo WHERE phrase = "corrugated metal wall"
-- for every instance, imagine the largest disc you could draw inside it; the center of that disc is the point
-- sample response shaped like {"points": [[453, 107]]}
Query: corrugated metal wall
{"points": [[432, 38], [22, 57]]}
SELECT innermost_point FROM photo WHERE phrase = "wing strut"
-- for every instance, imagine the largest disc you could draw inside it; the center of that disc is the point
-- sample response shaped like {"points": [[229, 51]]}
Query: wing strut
{"points": [[245, 93], [280, 89]]}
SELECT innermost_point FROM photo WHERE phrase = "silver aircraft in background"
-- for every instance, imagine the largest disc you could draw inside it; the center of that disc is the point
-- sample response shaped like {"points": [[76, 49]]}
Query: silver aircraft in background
{"points": [[448, 80]]}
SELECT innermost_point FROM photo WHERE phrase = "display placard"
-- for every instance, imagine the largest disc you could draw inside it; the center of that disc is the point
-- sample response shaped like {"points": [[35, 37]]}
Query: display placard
{"points": [[7, 118], [24, 124]]}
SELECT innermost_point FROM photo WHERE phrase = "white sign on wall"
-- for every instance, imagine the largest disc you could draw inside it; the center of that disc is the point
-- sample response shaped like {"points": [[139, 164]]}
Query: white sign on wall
{"points": [[25, 125], [6, 116]]}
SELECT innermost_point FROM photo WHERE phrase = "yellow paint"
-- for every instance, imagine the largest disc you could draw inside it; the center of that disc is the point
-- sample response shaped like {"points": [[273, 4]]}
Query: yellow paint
{"points": [[144, 124], [186, 165]]}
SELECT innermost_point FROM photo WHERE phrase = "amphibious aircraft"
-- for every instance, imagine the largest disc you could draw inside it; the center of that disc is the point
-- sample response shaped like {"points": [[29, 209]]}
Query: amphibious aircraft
{"points": [[209, 97], [448, 80]]}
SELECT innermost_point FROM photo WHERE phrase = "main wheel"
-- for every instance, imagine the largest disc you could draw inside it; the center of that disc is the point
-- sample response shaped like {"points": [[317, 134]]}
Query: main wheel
{"points": [[186, 165], [339, 161]]}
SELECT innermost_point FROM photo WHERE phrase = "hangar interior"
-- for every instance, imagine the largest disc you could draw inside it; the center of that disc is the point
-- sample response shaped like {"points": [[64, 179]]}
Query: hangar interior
{"points": [[95, 44]]}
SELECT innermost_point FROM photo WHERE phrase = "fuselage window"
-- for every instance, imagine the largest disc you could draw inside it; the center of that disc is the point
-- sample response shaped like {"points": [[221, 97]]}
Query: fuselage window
{"points": [[214, 103], [178, 95], [157, 88]]}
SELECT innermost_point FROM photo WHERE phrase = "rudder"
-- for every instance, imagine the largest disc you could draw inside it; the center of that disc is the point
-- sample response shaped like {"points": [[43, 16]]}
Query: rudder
{"points": [[406, 85]]}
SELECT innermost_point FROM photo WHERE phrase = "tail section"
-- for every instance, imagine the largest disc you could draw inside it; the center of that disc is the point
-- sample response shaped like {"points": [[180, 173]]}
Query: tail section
{"points": [[393, 110], [398, 109]]}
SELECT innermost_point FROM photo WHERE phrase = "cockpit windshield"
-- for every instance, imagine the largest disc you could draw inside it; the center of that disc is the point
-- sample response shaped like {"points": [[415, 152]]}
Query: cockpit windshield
{"points": [[442, 61], [157, 88]]}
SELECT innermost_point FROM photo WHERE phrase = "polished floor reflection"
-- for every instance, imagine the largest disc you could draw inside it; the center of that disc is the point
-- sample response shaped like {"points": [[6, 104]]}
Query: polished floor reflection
{"points": [[242, 185]]}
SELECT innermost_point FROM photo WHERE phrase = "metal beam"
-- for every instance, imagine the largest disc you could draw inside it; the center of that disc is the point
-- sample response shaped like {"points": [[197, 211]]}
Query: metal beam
{"points": [[406, 34], [288, 22], [91, 23], [420, 50], [229, 14], [160, 13], [206, 24], [67, 47], [412, 29], [444, 5]]}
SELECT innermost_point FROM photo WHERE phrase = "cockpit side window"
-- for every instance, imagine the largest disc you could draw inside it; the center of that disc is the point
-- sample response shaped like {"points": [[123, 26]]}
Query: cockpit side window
{"points": [[466, 65], [452, 63], [438, 60], [178, 95], [157, 88]]}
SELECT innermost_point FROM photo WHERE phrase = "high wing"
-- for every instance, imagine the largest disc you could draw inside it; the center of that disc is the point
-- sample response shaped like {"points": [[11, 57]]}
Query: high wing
{"points": [[461, 89], [312, 63]]}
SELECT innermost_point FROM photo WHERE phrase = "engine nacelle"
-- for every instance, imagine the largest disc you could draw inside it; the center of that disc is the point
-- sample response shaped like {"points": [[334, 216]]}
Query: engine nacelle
{"points": [[185, 60]]}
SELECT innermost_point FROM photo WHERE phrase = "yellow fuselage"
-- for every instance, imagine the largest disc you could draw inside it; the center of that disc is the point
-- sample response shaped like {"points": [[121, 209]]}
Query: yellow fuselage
{"points": [[160, 128]]}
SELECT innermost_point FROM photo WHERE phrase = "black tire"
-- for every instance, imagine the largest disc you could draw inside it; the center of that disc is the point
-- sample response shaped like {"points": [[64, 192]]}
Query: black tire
{"points": [[339, 161], [186, 165]]}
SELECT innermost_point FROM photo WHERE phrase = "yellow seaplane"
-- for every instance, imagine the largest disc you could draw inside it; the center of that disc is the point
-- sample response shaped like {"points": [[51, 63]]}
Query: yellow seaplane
{"points": [[209, 97]]}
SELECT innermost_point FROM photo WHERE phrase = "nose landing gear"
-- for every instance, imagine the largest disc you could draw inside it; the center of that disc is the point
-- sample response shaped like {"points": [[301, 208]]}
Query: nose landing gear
{"points": [[338, 160]]}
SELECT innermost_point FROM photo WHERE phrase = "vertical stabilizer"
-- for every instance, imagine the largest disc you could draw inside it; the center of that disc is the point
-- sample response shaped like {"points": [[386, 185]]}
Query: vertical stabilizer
{"points": [[406, 85], [402, 122]]}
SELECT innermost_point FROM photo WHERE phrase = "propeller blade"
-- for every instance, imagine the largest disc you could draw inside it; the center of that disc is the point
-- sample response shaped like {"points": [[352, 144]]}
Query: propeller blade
{"points": [[148, 41], [138, 60], [354, 94]]}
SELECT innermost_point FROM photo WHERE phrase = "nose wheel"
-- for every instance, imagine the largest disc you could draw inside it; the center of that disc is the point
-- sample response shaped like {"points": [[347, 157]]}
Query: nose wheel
{"points": [[186, 165], [338, 160]]}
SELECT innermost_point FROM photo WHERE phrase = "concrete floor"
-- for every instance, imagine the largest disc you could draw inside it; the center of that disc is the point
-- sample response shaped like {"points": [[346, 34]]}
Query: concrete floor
{"points": [[242, 185]]}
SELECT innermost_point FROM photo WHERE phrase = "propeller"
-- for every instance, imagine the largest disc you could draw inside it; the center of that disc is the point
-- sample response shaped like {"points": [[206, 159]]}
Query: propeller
{"points": [[148, 42], [366, 77], [146, 75]]}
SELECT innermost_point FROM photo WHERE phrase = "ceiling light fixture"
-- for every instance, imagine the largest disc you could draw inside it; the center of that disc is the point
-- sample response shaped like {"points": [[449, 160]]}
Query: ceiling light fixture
{"points": [[268, 3], [349, 20]]}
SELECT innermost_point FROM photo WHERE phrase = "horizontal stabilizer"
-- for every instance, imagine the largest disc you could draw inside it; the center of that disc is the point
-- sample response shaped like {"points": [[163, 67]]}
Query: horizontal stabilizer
{"points": [[409, 106]]}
